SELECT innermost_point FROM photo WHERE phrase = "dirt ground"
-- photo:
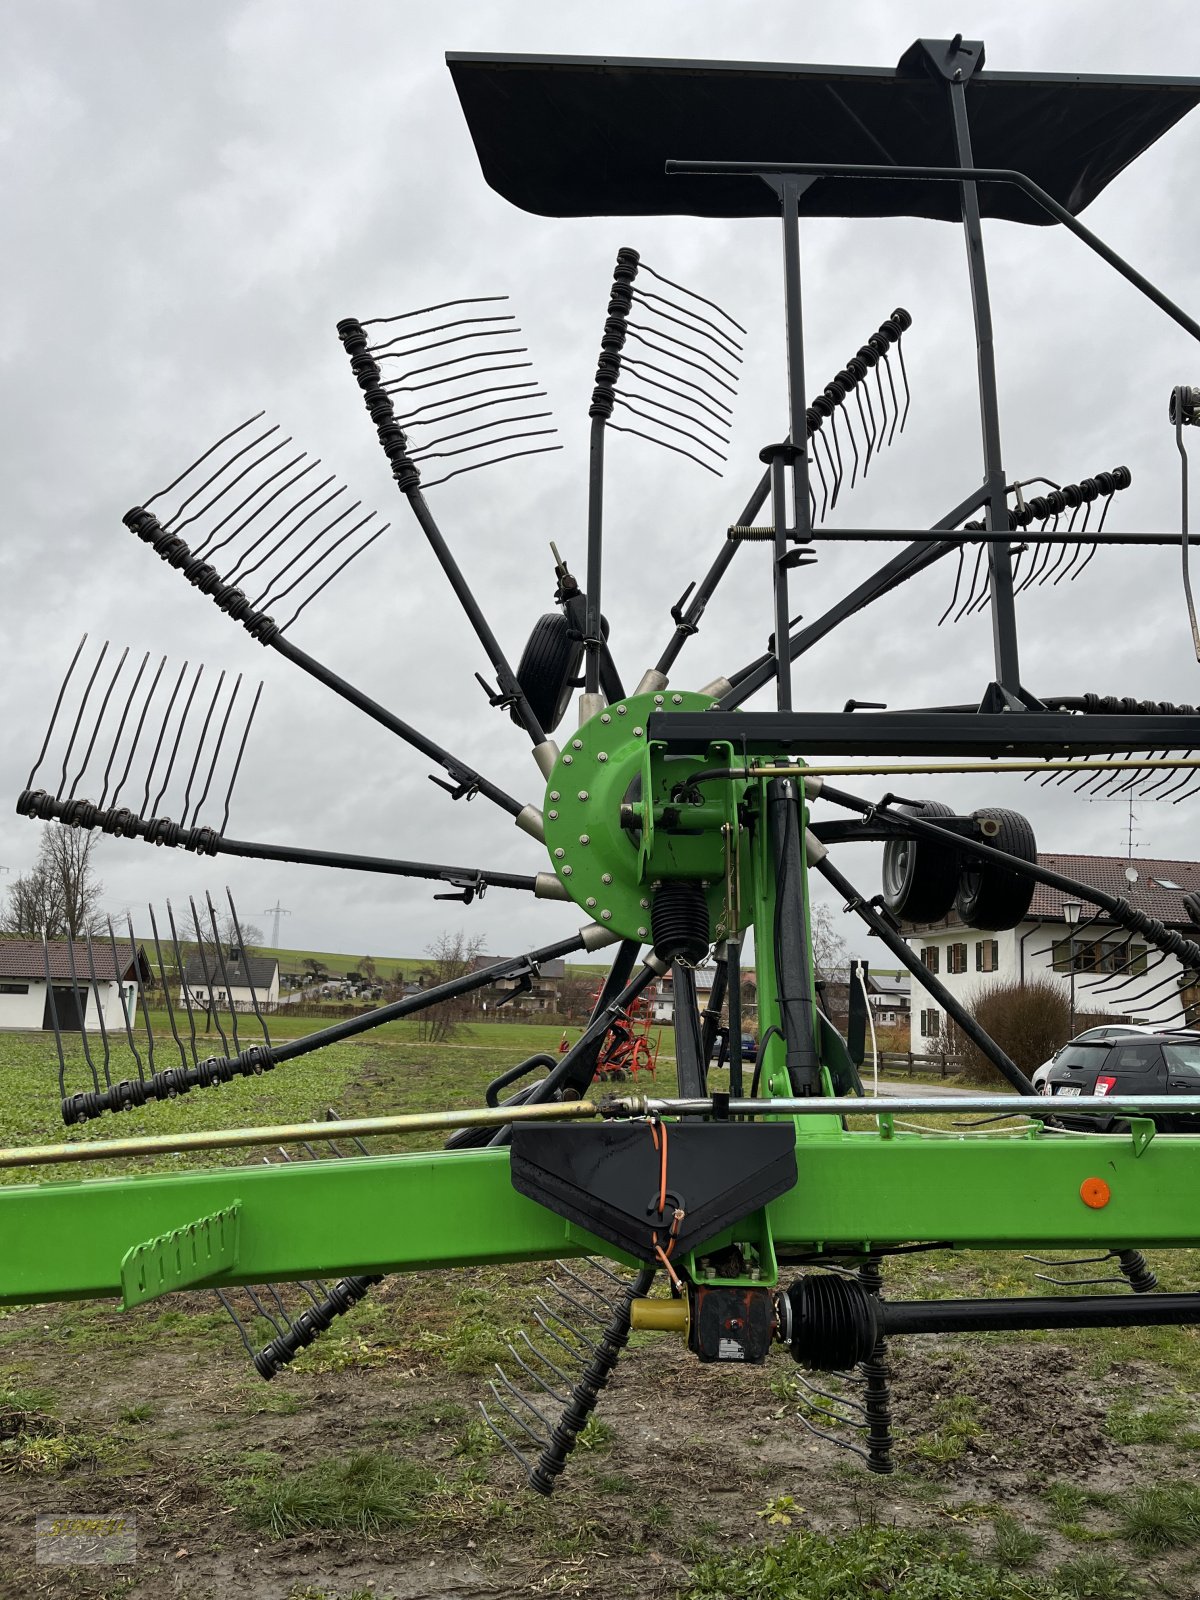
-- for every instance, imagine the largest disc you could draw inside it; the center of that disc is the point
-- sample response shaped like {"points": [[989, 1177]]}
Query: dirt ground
{"points": [[162, 1416]]}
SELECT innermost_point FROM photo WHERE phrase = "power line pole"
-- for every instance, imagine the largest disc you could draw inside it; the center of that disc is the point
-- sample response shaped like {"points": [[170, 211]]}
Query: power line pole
{"points": [[276, 911]]}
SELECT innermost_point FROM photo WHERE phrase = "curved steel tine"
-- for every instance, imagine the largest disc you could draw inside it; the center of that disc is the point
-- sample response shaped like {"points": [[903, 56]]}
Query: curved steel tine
{"points": [[239, 572], [818, 438], [634, 369], [885, 361], [224, 439], [52, 1005], [237, 456], [178, 736], [134, 1051], [863, 391], [207, 548], [340, 568], [220, 739], [145, 1003], [838, 470], [41, 755], [883, 410], [904, 377], [137, 732], [322, 505], [80, 1010], [957, 580], [79, 718], [95, 990], [974, 584], [198, 928], [175, 526], [112, 755], [99, 719], [868, 434], [219, 947], [185, 986], [187, 793]]}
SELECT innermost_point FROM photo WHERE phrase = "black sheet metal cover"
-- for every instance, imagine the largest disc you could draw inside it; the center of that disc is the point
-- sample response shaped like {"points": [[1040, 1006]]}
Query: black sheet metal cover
{"points": [[570, 136], [606, 1177]]}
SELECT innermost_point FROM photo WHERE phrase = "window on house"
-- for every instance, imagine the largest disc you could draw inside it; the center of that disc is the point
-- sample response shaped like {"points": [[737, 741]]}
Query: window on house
{"points": [[931, 1024], [987, 955], [956, 958], [1099, 955], [930, 957], [14, 988]]}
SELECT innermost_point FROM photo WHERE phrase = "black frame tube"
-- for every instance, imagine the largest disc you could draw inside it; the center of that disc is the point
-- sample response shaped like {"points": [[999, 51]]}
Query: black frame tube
{"points": [[792, 940]]}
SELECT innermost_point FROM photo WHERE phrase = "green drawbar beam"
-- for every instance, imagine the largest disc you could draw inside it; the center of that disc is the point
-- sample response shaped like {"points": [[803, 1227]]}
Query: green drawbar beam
{"points": [[182, 1259], [63, 1241]]}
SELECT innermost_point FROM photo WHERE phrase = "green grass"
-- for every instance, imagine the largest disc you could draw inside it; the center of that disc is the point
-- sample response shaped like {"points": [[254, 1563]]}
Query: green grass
{"points": [[1095, 1577], [955, 1423], [1012, 1544], [1165, 1517], [362, 1493], [1163, 1423], [896, 1562]]}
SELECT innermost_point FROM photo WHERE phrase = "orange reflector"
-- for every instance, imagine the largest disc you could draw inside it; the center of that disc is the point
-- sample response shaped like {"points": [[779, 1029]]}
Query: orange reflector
{"points": [[1095, 1192]]}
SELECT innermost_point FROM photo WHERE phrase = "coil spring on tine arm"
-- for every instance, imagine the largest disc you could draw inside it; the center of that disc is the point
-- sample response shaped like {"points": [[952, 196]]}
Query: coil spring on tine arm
{"points": [[166, 1085]]}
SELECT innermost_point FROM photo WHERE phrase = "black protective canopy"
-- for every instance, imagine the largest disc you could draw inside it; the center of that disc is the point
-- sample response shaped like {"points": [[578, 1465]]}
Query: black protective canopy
{"points": [[589, 135]]}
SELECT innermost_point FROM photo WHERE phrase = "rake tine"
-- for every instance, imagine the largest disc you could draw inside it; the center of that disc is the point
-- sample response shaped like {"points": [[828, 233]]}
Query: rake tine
{"points": [[815, 436], [240, 574], [649, 400], [641, 335], [506, 1442], [839, 471], [328, 551], [885, 361], [220, 472], [237, 1321], [187, 793], [648, 416], [354, 555], [262, 1021], [535, 1377], [723, 341], [41, 755], [537, 1438], [399, 386], [724, 416], [238, 762], [224, 971], [167, 991], [589, 1288], [181, 968], [161, 732], [145, 1005], [112, 944], [112, 755], [79, 718], [830, 1438], [62, 1060], [458, 322], [904, 378], [691, 293], [619, 427], [970, 600], [278, 1299], [266, 1315], [543, 1357], [429, 445], [957, 580], [80, 1010], [696, 350], [423, 311], [209, 545], [579, 1305], [414, 419], [224, 439], [212, 766], [178, 736], [883, 410], [523, 1399], [330, 1114], [95, 991], [594, 1261], [137, 732], [574, 1354], [573, 1331], [208, 982]]}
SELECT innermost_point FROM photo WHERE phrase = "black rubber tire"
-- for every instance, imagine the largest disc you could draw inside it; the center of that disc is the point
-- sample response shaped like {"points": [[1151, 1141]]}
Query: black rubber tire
{"points": [[990, 896], [549, 664], [920, 877]]}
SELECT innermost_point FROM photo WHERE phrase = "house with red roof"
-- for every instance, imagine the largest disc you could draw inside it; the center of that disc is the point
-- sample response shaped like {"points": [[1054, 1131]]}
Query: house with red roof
{"points": [[76, 983]]}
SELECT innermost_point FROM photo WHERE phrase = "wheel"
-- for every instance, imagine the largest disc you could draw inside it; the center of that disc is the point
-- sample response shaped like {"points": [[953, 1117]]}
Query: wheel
{"points": [[920, 878], [991, 896], [549, 664]]}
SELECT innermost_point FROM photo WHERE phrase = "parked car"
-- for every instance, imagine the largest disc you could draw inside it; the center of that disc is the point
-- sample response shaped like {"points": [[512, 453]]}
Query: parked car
{"points": [[1146, 1063], [1113, 1030], [749, 1047]]}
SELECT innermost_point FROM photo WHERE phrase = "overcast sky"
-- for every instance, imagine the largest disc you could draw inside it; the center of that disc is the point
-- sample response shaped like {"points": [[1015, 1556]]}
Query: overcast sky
{"points": [[194, 194]]}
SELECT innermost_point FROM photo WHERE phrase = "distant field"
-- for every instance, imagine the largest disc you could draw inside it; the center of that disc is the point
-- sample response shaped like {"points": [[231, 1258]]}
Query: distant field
{"points": [[338, 963]]}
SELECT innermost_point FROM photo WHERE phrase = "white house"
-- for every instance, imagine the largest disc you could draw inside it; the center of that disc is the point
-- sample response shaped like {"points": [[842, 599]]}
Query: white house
{"points": [[1064, 936], [86, 984], [663, 993], [231, 977]]}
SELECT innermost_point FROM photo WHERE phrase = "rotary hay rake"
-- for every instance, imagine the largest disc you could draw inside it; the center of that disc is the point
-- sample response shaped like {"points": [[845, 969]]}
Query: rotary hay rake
{"points": [[674, 819]]}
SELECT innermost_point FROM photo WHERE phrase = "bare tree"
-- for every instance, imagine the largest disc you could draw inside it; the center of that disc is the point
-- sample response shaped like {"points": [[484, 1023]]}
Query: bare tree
{"points": [[198, 929], [60, 895], [451, 955], [828, 946]]}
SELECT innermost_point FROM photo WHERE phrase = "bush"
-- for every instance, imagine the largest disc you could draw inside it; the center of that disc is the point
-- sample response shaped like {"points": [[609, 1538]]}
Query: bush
{"points": [[1029, 1022]]}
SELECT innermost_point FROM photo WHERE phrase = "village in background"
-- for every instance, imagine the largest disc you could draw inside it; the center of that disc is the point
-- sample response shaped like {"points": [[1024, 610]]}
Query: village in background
{"points": [[66, 959]]}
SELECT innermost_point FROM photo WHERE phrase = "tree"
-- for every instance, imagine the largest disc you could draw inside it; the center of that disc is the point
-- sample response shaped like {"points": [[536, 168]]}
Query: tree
{"points": [[451, 955], [314, 969], [368, 969], [60, 895], [198, 929], [828, 946]]}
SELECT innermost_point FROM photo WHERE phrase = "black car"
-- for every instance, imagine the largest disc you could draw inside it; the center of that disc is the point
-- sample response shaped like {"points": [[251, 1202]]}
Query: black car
{"points": [[1152, 1063]]}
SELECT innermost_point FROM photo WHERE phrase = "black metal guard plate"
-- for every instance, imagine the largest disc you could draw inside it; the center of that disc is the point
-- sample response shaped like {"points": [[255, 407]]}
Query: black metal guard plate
{"points": [[569, 136], [606, 1177], [922, 733]]}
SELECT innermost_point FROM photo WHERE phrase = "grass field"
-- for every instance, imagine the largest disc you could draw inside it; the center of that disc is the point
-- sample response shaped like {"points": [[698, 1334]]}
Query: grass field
{"points": [[338, 963], [1052, 1467]]}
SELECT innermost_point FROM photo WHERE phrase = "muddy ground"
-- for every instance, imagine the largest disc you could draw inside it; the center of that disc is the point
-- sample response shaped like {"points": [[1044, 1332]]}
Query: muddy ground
{"points": [[158, 1413]]}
